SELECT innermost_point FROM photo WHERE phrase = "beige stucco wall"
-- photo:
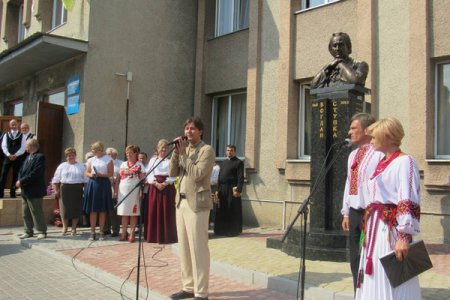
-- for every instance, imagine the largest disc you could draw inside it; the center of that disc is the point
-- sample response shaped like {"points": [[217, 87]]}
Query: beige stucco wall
{"points": [[440, 39], [155, 40], [227, 62], [393, 62]]}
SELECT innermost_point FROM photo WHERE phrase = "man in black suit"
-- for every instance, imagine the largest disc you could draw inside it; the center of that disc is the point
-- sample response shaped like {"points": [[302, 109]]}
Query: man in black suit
{"points": [[32, 182], [13, 146]]}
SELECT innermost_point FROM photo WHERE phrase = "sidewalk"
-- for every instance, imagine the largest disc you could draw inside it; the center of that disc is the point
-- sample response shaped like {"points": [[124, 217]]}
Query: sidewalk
{"points": [[241, 267]]}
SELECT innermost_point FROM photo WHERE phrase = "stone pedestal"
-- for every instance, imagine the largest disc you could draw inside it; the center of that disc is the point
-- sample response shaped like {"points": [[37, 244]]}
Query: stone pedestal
{"points": [[332, 110]]}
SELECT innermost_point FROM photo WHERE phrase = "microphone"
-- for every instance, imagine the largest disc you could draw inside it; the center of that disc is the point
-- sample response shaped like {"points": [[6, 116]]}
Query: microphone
{"points": [[345, 143], [183, 138]]}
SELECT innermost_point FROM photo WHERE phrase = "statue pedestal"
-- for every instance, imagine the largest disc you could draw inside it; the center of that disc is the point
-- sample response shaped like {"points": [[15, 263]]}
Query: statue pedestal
{"points": [[332, 110]]}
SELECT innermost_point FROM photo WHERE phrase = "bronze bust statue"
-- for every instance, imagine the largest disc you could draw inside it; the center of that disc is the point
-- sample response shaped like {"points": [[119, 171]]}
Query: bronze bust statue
{"points": [[343, 69]]}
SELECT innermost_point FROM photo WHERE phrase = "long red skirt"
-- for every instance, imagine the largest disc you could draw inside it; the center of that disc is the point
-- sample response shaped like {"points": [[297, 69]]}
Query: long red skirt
{"points": [[161, 224]]}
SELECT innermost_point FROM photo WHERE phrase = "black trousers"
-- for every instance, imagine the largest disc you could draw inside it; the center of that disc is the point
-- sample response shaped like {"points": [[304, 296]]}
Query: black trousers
{"points": [[355, 226], [7, 164]]}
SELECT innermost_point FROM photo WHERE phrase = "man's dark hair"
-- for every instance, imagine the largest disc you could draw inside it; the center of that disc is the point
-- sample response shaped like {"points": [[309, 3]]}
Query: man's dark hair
{"points": [[143, 153], [198, 123], [364, 119], [232, 146], [345, 38]]}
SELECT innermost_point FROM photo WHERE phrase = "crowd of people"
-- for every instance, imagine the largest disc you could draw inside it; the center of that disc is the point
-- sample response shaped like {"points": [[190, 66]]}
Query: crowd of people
{"points": [[175, 191]]}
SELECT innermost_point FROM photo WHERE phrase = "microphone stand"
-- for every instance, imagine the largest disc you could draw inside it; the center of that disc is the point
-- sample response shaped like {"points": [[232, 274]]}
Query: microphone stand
{"points": [[303, 211], [140, 217]]}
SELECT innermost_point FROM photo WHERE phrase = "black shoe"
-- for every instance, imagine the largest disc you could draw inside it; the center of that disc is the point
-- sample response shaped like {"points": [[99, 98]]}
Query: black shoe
{"points": [[106, 232], [201, 298], [114, 234], [182, 295]]}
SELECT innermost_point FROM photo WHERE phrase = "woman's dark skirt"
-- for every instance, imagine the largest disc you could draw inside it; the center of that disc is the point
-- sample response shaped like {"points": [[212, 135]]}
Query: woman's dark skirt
{"points": [[97, 195], [161, 222], [71, 200]]}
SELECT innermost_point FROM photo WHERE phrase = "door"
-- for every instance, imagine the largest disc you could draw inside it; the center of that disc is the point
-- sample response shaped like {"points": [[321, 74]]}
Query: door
{"points": [[49, 133]]}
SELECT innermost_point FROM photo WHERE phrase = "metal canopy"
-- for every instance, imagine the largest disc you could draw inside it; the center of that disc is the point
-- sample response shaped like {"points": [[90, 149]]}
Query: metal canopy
{"points": [[36, 53]]}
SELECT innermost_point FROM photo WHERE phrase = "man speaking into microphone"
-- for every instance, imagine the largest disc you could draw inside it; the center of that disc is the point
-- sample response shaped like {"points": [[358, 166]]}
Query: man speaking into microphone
{"points": [[193, 163]]}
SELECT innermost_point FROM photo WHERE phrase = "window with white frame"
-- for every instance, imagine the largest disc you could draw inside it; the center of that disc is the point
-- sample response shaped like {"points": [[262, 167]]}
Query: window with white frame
{"points": [[231, 16], [16, 108], [305, 4], [21, 29], [228, 123], [59, 15], [305, 117], [442, 119]]}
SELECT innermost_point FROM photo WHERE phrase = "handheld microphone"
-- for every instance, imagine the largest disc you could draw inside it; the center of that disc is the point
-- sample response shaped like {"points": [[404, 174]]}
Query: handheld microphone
{"points": [[183, 138], [345, 143]]}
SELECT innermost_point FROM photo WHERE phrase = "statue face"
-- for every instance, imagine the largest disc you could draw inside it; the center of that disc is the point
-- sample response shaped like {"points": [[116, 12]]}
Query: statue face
{"points": [[339, 48]]}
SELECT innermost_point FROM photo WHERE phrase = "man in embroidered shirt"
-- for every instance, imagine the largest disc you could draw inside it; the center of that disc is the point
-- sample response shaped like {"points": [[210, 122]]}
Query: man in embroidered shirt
{"points": [[361, 165], [13, 146], [194, 164]]}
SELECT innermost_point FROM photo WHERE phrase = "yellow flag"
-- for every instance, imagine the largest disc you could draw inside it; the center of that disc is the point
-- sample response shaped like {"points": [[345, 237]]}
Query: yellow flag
{"points": [[68, 4]]}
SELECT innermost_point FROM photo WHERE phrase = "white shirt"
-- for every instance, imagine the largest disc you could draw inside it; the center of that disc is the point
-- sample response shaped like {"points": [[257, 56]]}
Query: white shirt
{"points": [[100, 164], [70, 173], [215, 175], [356, 194], [162, 170], [5, 144], [117, 163]]}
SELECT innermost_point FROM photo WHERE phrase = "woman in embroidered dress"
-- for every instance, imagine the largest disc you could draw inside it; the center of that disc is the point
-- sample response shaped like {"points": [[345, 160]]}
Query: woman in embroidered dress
{"points": [[97, 195], [392, 216], [161, 225], [130, 173], [68, 182]]}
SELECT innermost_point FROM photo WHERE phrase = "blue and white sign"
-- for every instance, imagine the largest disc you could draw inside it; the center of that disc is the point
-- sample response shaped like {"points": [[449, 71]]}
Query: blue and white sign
{"points": [[73, 85], [73, 104]]}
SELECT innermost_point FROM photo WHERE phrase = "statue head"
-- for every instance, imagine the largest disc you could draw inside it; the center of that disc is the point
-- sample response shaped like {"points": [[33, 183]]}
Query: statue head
{"points": [[340, 45]]}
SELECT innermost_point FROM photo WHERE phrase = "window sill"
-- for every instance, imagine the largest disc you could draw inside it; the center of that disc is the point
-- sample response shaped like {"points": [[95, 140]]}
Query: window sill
{"points": [[305, 160], [227, 34], [438, 160], [56, 27], [316, 7]]}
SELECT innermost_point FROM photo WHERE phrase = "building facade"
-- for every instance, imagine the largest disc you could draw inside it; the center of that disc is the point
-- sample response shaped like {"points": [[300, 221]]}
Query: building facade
{"points": [[244, 66]]}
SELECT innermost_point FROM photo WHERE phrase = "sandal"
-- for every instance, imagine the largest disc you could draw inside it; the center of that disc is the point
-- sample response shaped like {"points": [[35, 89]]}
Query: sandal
{"points": [[92, 237], [132, 238], [74, 232], [123, 237], [102, 237]]}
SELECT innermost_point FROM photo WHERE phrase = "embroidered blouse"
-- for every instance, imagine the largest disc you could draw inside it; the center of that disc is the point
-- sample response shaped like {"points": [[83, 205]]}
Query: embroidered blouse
{"points": [[399, 184]]}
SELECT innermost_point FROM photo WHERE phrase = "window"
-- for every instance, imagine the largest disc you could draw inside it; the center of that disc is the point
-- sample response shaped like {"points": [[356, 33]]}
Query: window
{"points": [[16, 108], [59, 15], [305, 118], [442, 125], [305, 4], [231, 16], [21, 29], [57, 97], [228, 123]]}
